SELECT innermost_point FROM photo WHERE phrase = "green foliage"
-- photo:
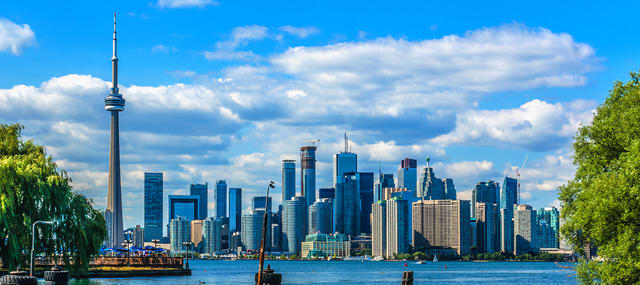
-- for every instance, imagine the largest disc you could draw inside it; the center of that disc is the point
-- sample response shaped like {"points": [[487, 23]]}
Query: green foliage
{"points": [[363, 252], [419, 255], [401, 256], [602, 202], [32, 188]]}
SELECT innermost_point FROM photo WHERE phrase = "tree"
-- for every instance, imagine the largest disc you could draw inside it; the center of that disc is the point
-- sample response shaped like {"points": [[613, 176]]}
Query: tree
{"points": [[32, 188], [601, 204]]}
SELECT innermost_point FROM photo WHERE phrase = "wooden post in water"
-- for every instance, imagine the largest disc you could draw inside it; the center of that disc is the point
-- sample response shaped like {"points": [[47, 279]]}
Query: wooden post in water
{"points": [[264, 233], [407, 278]]}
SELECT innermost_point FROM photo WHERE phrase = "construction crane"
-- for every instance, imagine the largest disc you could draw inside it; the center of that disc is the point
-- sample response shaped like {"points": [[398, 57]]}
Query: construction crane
{"points": [[313, 141], [517, 172]]}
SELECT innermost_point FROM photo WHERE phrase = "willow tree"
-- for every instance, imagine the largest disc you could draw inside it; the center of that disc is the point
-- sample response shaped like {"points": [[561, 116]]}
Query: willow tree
{"points": [[602, 202], [33, 188]]}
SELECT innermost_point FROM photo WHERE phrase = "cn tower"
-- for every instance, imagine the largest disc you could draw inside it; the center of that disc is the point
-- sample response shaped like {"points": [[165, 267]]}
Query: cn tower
{"points": [[114, 103]]}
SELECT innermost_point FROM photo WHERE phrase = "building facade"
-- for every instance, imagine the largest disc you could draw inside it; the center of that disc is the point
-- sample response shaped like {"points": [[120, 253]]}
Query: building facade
{"points": [[288, 179], [525, 231], [179, 232], [327, 193], [433, 188], [487, 227], [138, 236], [211, 236], [325, 246], [294, 224], [308, 173], [549, 223], [485, 192], [252, 231], [196, 233], [201, 190], [347, 205], [260, 203], [220, 198], [397, 227], [321, 217], [186, 206], [366, 200], [442, 223], [153, 208], [408, 174], [384, 181], [508, 198], [379, 228], [235, 209]]}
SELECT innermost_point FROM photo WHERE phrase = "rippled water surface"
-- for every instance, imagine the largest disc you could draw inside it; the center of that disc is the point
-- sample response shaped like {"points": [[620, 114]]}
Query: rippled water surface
{"points": [[355, 272]]}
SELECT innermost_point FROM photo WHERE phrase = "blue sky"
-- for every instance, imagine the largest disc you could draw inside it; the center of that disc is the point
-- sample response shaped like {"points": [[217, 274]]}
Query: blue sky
{"points": [[227, 89]]}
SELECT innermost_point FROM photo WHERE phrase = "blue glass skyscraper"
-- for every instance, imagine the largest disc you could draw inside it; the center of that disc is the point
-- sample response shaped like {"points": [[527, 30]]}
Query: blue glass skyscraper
{"points": [[220, 198], [484, 192], [235, 210], [294, 224], [366, 200], [321, 216], [201, 190], [308, 173], [186, 206], [384, 181], [408, 174], [288, 179], [153, 213], [260, 203], [347, 205], [508, 198]]}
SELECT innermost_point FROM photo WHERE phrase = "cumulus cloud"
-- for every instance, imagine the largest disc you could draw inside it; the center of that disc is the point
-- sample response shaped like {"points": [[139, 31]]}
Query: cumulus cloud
{"points": [[535, 125], [162, 49], [185, 3], [301, 32], [14, 37]]}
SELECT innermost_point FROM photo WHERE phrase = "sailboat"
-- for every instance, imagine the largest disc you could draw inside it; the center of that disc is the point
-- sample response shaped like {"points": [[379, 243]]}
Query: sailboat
{"points": [[435, 258]]}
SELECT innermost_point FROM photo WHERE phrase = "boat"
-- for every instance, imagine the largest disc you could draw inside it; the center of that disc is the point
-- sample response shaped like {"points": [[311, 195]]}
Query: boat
{"points": [[435, 258], [378, 258], [420, 262]]}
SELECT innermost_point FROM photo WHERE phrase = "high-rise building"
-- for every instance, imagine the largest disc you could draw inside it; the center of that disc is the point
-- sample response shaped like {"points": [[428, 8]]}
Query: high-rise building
{"points": [[220, 198], [524, 229], [276, 237], [138, 237], [508, 198], [260, 203], [397, 227], [408, 174], [366, 200], [321, 216], [379, 228], [186, 206], [487, 227], [179, 232], [344, 162], [347, 205], [442, 223], [288, 179], [235, 209], [294, 224], [201, 190], [485, 192], [235, 242], [308, 173], [327, 193], [114, 103], [153, 213], [384, 181], [196, 232], [211, 236], [252, 230], [433, 188], [549, 223]]}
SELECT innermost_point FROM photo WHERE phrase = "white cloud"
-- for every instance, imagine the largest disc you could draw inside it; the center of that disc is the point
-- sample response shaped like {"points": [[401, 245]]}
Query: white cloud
{"points": [[240, 36], [14, 37], [162, 49], [185, 3], [301, 32], [535, 125]]}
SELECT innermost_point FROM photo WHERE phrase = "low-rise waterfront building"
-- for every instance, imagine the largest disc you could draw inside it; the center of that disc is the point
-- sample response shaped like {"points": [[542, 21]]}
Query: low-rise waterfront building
{"points": [[324, 245]]}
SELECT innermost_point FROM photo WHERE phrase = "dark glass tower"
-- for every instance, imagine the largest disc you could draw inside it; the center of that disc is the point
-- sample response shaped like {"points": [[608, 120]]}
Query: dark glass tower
{"points": [[201, 190], [235, 210], [308, 171], [153, 206], [288, 179], [220, 198], [114, 103]]}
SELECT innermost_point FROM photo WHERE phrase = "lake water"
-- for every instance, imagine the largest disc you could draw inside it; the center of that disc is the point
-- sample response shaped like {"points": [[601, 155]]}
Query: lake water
{"points": [[356, 272]]}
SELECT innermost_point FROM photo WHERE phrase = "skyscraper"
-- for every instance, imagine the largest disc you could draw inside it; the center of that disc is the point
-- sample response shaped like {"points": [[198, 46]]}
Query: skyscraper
{"points": [[220, 198], [449, 189], [321, 217], [153, 213], [508, 198], [549, 223], [442, 223], [384, 181], [327, 193], [344, 162], [185, 206], [379, 228], [260, 203], [487, 227], [252, 230], [201, 190], [408, 174], [366, 200], [211, 236], [288, 179], [308, 173], [235, 209], [114, 103], [294, 224], [524, 229], [397, 226], [179, 232], [347, 205], [196, 233], [484, 192]]}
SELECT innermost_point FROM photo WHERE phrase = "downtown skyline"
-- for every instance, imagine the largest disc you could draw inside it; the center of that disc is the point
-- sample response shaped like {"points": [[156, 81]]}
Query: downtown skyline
{"points": [[254, 99]]}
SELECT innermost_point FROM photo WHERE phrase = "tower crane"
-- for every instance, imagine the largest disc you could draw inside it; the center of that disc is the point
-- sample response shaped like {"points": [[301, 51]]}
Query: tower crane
{"points": [[517, 173]]}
